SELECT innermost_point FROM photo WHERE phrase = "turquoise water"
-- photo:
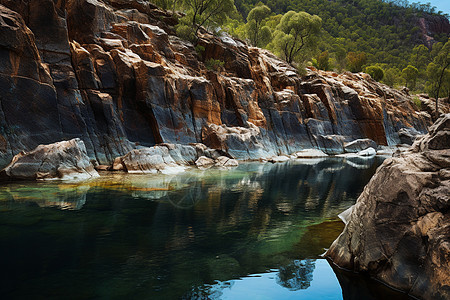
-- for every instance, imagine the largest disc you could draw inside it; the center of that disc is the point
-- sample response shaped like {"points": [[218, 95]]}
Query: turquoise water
{"points": [[254, 232]]}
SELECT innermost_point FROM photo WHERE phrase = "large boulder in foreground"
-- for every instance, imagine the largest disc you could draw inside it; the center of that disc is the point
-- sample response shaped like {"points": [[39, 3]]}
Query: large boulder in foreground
{"points": [[398, 232], [62, 160]]}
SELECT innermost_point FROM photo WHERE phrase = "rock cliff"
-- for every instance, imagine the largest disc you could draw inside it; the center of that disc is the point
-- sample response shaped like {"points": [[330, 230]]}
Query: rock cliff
{"points": [[399, 229], [112, 73]]}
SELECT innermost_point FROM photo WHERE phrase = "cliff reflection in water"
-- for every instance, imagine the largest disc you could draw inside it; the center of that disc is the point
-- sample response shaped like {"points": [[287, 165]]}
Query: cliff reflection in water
{"points": [[162, 236]]}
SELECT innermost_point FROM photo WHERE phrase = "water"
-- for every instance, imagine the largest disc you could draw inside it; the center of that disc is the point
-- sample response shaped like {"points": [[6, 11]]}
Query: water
{"points": [[255, 232]]}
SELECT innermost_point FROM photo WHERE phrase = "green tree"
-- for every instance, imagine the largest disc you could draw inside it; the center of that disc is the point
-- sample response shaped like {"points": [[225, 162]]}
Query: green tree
{"points": [[391, 76], [296, 36], [206, 13], [438, 72], [167, 4], [410, 75], [375, 72], [420, 57], [258, 34], [355, 61], [340, 54], [323, 61]]}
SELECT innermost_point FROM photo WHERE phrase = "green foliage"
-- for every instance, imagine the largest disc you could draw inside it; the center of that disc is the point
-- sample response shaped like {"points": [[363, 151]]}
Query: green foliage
{"points": [[385, 30], [410, 75], [235, 27], [185, 32], [417, 103], [340, 56], [392, 76], [375, 72], [207, 13], [295, 37], [199, 49], [166, 4], [438, 72], [256, 32], [355, 61], [323, 61], [214, 64]]}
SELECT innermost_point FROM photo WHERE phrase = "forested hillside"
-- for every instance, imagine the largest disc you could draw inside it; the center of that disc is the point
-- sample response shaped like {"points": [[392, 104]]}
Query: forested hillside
{"points": [[391, 34], [386, 31], [398, 43]]}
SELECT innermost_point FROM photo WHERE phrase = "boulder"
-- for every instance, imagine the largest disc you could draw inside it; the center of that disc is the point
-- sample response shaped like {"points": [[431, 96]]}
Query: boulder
{"points": [[367, 152], [279, 159], [155, 159], [63, 160], [359, 144], [310, 153], [204, 162], [398, 232], [408, 135], [226, 162]]}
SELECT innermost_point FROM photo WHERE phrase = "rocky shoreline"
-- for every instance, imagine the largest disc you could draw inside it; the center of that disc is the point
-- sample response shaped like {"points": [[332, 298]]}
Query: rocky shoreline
{"points": [[68, 160]]}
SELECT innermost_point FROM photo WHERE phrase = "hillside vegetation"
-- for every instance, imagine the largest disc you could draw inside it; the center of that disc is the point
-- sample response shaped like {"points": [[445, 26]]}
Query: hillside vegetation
{"points": [[398, 43]]}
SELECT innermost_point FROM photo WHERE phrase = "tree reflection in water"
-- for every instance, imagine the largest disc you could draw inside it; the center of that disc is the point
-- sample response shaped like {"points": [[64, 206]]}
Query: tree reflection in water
{"points": [[296, 275]]}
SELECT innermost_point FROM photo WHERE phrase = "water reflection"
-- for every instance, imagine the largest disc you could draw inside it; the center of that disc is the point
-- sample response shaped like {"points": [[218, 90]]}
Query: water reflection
{"points": [[296, 275], [315, 280], [166, 236]]}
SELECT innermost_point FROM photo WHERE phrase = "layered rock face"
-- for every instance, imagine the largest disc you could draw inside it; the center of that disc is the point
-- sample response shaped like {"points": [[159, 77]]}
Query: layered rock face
{"points": [[399, 230], [62, 160], [112, 73]]}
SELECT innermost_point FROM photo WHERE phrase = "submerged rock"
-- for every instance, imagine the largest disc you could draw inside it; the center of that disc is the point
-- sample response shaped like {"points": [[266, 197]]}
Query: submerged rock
{"points": [[398, 231], [62, 160]]}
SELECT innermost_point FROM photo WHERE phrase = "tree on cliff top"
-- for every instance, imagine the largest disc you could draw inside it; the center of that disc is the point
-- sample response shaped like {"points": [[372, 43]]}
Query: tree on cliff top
{"points": [[355, 61], [207, 13], [258, 34], [438, 72], [375, 72], [296, 36], [410, 75]]}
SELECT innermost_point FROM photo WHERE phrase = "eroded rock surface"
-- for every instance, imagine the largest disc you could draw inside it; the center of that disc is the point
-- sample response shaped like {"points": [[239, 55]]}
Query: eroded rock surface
{"points": [[62, 160], [113, 74], [399, 230], [171, 158]]}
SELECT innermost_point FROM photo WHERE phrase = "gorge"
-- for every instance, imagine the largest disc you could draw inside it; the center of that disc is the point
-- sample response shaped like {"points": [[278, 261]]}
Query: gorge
{"points": [[241, 168]]}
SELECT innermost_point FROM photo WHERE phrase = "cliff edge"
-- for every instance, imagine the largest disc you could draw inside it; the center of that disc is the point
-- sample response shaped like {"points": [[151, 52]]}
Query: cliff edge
{"points": [[113, 74]]}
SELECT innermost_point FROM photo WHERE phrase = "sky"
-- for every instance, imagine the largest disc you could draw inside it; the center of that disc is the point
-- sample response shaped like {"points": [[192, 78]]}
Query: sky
{"points": [[443, 5]]}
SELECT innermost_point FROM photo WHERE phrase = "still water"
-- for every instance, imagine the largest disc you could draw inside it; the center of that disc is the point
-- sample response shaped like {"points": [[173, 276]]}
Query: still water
{"points": [[254, 232]]}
